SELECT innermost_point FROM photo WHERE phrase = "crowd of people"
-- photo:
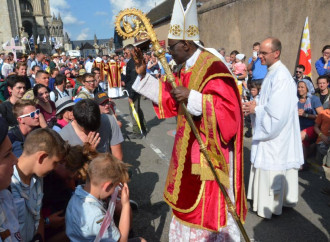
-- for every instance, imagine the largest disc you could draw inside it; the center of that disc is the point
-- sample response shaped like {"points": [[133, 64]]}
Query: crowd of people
{"points": [[59, 130], [60, 124]]}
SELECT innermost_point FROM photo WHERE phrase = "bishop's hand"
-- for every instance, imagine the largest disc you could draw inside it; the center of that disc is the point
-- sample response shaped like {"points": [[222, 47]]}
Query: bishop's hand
{"points": [[180, 94], [140, 65]]}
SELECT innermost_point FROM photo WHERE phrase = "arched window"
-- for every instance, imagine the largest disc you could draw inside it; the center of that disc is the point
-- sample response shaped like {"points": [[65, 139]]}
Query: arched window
{"points": [[26, 7]]}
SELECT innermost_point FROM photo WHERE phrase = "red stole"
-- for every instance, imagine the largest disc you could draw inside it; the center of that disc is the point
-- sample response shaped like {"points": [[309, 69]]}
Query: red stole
{"points": [[190, 187]]}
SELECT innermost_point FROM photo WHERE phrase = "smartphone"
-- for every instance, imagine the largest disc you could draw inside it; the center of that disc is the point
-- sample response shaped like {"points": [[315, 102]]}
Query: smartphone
{"points": [[255, 54]]}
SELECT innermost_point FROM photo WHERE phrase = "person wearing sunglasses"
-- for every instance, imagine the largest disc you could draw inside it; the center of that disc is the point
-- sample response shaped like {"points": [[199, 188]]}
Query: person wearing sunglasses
{"points": [[209, 90], [27, 116], [299, 75]]}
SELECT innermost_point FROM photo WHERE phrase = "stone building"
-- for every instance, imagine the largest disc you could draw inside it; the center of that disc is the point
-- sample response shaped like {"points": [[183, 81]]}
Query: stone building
{"points": [[95, 47], [55, 28], [26, 18]]}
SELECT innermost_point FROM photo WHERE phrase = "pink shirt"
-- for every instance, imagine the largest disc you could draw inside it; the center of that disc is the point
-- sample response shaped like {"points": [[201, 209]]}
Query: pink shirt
{"points": [[48, 116], [239, 68]]}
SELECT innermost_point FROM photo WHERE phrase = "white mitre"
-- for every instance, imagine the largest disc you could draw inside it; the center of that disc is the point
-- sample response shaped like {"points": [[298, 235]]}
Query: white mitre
{"points": [[184, 24], [98, 59]]}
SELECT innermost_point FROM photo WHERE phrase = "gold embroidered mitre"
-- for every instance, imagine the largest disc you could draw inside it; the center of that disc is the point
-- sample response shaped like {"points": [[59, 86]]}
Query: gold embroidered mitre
{"points": [[184, 24]]}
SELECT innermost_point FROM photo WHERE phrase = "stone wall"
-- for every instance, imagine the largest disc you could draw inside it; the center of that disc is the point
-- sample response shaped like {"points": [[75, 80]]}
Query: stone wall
{"points": [[237, 24], [9, 19]]}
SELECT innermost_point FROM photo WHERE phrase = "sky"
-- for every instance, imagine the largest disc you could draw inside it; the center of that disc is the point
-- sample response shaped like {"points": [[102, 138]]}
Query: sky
{"points": [[84, 18]]}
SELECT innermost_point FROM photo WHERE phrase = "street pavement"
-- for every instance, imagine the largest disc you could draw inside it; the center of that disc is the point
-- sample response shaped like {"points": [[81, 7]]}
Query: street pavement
{"points": [[149, 159]]}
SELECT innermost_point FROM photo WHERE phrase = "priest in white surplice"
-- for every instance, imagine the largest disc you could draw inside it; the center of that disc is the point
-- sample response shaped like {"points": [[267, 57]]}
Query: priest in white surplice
{"points": [[276, 153]]}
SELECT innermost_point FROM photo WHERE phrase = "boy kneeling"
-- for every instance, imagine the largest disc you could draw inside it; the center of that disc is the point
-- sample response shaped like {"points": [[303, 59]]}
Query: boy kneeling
{"points": [[85, 211], [43, 149]]}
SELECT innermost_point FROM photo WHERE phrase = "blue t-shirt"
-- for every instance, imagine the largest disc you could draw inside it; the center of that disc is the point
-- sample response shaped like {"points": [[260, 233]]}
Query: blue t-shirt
{"points": [[258, 71], [310, 109]]}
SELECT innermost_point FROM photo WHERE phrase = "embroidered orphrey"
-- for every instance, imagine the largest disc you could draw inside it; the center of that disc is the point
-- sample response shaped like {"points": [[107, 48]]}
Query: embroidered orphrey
{"points": [[175, 30], [192, 30]]}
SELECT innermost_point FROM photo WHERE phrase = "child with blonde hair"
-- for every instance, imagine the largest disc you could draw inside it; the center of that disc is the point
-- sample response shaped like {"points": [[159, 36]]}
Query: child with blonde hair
{"points": [[59, 186], [86, 210]]}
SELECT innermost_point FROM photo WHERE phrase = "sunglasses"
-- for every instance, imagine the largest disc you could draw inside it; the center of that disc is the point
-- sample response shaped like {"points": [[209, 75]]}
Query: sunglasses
{"points": [[105, 103], [31, 115], [299, 72]]}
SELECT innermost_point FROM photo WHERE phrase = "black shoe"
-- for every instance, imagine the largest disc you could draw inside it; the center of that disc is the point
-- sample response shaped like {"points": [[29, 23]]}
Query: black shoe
{"points": [[304, 167], [248, 134], [135, 136]]}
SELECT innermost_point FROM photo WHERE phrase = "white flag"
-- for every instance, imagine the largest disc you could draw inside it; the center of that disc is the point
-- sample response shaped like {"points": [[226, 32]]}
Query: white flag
{"points": [[38, 40], [24, 40]]}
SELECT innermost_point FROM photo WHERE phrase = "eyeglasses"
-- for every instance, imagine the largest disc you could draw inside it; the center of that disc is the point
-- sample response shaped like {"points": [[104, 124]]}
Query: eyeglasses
{"points": [[265, 53], [299, 72], [32, 114], [326, 53], [171, 47], [105, 103]]}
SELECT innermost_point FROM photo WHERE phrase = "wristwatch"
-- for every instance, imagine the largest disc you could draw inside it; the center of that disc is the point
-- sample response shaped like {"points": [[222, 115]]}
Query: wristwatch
{"points": [[306, 115], [47, 221]]}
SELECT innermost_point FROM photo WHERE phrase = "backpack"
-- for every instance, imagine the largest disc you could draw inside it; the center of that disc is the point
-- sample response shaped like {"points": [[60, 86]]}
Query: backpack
{"points": [[82, 95], [57, 93], [4, 94], [77, 89], [1, 70]]}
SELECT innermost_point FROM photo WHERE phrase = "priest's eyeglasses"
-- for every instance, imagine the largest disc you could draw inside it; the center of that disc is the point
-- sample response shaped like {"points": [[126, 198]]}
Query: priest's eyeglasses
{"points": [[31, 115], [265, 53]]}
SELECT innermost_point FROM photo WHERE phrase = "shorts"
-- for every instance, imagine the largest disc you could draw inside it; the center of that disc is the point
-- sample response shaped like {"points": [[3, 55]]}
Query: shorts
{"points": [[311, 136]]}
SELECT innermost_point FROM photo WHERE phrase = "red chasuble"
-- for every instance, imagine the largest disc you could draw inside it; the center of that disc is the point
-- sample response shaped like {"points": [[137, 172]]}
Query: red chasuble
{"points": [[190, 188], [114, 77]]}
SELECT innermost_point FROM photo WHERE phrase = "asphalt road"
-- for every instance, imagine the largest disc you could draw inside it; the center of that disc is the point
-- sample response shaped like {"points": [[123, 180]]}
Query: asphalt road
{"points": [[149, 158]]}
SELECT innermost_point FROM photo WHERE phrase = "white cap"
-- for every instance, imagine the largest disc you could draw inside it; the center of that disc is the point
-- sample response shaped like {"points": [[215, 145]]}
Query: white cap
{"points": [[184, 24], [98, 59], [240, 56]]}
